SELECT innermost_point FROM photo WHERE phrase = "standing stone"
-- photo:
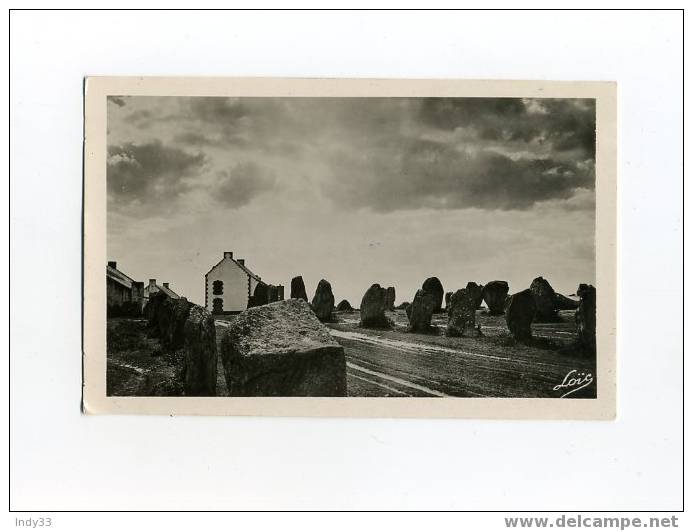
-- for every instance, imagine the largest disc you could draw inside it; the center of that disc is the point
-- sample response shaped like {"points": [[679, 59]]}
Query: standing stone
{"points": [[462, 314], [421, 311], [153, 310], [272, 293], [544, 298], [323, 301], [260, 295], [520, 314], [298, 289], [448, 294], [281, 349], [586, 318], [476, 292], [344, 306], [200, 353], [373, 306], [494, 294], [390, 299], [172, 328], [435, 288]]}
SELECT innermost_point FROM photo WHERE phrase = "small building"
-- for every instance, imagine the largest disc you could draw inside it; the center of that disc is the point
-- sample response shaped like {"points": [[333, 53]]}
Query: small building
{"points": [[124, 296], [230, 286], [153, 287]]}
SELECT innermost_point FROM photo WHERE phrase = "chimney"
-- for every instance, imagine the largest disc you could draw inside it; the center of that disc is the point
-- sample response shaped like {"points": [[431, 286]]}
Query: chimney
{"points": [[152, 282], [241, 261], [112, 264], [228, 254], [166, 285]]}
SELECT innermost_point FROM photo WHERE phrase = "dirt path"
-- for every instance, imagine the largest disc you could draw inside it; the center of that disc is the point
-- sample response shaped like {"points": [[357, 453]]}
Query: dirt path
{"points": [[397, 363]]}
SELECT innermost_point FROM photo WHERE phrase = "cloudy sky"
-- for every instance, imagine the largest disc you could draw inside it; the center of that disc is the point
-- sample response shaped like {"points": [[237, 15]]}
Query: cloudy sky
{"points": [[354, 190]]}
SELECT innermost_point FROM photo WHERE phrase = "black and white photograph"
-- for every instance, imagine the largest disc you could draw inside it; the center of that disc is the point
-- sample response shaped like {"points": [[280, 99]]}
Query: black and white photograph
{"points": [[351, 247], [346, 268]]}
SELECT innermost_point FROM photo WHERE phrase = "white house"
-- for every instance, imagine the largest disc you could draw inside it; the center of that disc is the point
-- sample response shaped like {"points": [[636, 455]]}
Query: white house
{"points": [[229, 286]]}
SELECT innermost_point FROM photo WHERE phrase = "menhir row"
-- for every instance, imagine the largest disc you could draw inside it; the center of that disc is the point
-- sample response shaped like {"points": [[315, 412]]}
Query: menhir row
{"points": [[180, 324]]}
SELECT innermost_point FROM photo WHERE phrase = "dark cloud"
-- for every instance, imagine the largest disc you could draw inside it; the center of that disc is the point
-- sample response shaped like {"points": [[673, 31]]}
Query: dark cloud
{"points": [[149, 172], [195, 139], [120, 102], [565, 123], [425, 174], [383, 154], [239, 185]]}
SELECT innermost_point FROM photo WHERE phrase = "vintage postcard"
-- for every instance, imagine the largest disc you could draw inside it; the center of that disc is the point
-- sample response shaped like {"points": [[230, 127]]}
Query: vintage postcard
{"points": [[350, 247]]}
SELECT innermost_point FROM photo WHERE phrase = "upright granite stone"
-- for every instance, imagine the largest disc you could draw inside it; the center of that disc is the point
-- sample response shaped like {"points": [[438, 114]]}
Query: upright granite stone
{"points": [[390, 299], [494, 294], [153, 310], [586, 318], [544, 298], [421, 311], [476, 292], [520, 314], [272, 293], [433, 286], [344, 306], [172, 318], [448, 294], [260, 296], [200, 353], [462, 315], [298, 289], [281, 349], [373, 305], [323, 301]]}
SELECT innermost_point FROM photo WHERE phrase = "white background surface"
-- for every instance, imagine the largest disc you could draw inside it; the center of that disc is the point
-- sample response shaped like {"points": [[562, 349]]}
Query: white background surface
{"points": [[63, 460]]}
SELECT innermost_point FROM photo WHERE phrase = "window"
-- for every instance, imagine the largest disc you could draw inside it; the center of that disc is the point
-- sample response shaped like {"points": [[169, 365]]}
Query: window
{"points": [[217, 306], [217, 287]]}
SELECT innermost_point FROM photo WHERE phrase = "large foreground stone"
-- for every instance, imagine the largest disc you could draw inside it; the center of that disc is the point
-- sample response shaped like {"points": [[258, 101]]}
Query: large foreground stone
{"points": [[544, 298], [373, 305], [323, 301], [520, 314], [420, 311], [462, 314], [200, 353], [494, 294], [586, 318], [433, 286], [298, 289], [281, 349]]}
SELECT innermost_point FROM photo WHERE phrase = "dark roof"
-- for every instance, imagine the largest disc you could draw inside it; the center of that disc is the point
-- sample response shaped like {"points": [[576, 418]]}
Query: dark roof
{"points": [[169, 292], [118, 276]]}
